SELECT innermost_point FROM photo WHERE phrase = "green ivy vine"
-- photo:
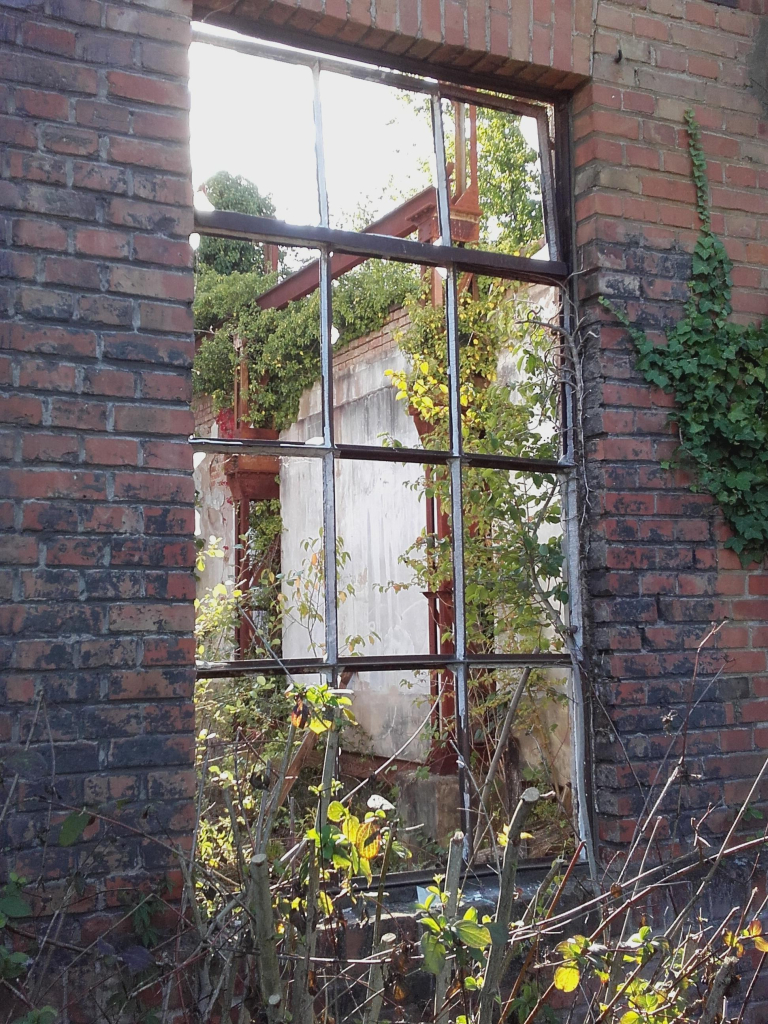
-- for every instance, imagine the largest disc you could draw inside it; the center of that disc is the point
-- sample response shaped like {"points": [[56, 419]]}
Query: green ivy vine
{"points": [[716, 370]]}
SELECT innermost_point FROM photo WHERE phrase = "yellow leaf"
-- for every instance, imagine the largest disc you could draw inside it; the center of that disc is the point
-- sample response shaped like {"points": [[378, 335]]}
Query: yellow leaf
{"points": [[526, 835], [567, 978], [424, 367], [368, 840], [754, 928], [761, 944], [326, 903]]}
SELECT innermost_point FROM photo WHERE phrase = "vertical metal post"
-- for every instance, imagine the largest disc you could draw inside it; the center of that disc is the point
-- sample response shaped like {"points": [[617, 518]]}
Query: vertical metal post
{"points": [[457, 509], [549, 210], [326, 362]]}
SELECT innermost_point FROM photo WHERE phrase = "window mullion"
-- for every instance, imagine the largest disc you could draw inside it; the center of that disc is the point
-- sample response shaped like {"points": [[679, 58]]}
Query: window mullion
{"points": [[330, 583]]}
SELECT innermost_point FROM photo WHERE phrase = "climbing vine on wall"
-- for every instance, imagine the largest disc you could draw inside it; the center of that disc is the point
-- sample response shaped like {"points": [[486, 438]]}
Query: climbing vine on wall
{"points": [[716, 370]]}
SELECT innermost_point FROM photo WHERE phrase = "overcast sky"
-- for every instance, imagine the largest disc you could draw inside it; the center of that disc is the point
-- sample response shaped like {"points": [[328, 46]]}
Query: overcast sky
{"points": [[253, 116]]}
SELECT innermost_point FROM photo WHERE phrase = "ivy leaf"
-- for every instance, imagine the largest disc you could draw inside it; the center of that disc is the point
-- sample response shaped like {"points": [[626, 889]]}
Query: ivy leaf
{"points": [[27, 764], [14, 906], [137, 959], [73, 827]]}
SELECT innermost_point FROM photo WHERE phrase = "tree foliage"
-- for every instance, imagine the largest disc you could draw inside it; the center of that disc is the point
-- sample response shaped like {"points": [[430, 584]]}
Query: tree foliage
{"points": [[282, 347], [229, 192], [510, 184]]}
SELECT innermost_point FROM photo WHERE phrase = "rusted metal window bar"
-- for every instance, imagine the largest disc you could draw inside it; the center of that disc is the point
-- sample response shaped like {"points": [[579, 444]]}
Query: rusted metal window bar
{"points": [[453, 259]]}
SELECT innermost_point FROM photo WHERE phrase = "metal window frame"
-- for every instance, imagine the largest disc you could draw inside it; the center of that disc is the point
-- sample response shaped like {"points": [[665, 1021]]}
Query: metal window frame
{"points": [[453, 259]]}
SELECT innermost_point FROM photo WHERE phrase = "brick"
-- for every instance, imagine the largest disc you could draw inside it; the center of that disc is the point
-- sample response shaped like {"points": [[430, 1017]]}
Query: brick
{"points": [[100, 48], [107, 310], [51, 39], [62, 341], [39, 234], [50, 106], [36, 167], [75, 272], [70, 141], [152, 283], [163, 455], [148, 487], [151, 125], [111, 451], [52, 484], [50, 74], [22, 409], [76, 551], [101, 178], [78, 414], [158, 155], [42, 375], [149, 217], [15, 131], [102, 116], [97, 242], [138, 22], [145, 419], [144, 89], [162, 189], [119, 383], [155, 316], [148, 349], [153, 249]]}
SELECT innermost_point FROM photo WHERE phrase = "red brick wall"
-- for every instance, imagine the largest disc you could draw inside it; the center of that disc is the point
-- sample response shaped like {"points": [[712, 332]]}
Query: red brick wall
{"points": [[657, 575], [96, 348], [96, 496]]}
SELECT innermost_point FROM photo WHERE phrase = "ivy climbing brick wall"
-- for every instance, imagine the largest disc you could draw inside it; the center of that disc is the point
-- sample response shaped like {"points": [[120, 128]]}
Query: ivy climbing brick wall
{"points": [[96, 496], [95, 345]]}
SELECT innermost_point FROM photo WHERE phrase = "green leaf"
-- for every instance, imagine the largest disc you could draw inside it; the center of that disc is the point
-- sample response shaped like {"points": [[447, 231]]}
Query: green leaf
{"points": [[567, 978], [336, 811], [73, 827], [474, 935], [434, 952], [14, 906], [499, 934]]}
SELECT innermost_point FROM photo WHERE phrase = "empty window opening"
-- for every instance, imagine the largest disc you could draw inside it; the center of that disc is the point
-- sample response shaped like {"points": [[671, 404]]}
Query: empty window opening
{"points": [[383, 448]]}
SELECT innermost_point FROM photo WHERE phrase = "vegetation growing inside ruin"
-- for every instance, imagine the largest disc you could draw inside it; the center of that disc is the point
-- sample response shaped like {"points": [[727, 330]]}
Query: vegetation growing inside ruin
{"points": [[718, 372]]}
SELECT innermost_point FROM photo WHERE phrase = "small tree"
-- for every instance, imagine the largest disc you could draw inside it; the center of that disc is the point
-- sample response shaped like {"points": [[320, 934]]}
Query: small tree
{"points": [[233, 192]]}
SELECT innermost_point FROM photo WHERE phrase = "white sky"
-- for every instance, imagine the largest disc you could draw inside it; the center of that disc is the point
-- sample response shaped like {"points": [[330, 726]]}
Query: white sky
{"points": [[253, 116]]}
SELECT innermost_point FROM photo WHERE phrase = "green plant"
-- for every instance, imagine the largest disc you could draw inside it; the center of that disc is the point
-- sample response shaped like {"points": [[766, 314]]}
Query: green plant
{"points": [[716, 369], [282, 347], [228, 192]]}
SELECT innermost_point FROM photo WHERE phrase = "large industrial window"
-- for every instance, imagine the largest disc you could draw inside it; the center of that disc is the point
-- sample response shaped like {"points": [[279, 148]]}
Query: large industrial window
{"points": [[385, 450]]}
